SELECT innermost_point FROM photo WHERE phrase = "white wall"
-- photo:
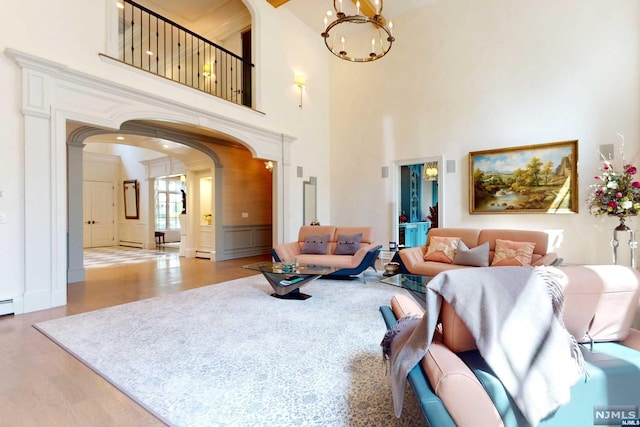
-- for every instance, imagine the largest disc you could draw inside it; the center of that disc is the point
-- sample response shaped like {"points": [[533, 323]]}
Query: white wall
{"points": [[466, 76], [51, 31], [302, 51]]}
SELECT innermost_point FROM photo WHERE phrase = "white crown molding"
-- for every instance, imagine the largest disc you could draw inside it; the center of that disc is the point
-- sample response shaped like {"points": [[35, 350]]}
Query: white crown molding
{"points": [[262, 142], [110, 159]]}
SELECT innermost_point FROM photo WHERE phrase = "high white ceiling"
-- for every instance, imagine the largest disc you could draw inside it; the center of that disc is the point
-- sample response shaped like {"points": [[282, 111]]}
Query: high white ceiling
{"points": [[217, 19], [312, 12]]}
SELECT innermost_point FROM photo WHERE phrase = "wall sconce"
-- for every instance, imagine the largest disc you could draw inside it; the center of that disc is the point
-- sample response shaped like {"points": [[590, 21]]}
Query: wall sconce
{"points": [[301, 83], [206, 70], [269, 166]]}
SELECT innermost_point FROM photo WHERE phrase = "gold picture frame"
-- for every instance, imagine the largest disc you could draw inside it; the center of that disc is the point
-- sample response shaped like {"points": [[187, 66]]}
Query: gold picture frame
{"points": [[541, 178]]}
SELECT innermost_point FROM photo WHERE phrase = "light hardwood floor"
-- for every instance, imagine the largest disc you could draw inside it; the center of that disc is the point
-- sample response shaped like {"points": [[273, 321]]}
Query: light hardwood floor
{"points": [[43, 385]]}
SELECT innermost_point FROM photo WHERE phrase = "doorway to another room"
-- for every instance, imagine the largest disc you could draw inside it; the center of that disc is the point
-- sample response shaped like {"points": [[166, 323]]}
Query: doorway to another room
{"points": [[98, 216], [170, 203], [418, 200], [178, 198]]}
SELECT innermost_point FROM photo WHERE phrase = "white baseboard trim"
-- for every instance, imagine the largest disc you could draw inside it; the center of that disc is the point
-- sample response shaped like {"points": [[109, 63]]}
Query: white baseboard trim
{"points": [[41, 300]]}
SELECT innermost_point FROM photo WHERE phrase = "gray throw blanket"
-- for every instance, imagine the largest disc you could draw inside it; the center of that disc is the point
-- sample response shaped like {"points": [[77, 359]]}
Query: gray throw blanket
{"points": [[515, 316]]}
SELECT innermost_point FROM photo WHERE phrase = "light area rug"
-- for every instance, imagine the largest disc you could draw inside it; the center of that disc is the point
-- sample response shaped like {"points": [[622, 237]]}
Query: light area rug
{"points": [[232, 355]]}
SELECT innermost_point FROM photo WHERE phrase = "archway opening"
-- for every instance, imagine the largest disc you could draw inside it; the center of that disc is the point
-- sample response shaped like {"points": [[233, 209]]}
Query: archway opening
{"points": [[238, 200]]}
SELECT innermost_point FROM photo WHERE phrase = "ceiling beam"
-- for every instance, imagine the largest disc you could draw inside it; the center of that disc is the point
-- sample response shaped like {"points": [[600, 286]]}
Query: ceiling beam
{"points": [[277, 3], [367, 7]]}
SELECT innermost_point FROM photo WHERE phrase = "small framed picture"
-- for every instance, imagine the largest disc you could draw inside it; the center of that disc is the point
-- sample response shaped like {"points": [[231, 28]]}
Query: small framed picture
{"points": [[393, 246]]}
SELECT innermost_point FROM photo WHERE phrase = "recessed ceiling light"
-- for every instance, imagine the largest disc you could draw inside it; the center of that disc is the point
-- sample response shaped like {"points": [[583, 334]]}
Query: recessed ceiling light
{"points": [[329, 12], [149, 53], [120, 138]]}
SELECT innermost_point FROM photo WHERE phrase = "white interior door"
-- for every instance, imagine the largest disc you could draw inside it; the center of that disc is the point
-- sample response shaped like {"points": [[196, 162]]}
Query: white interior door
{"points": [[98, 214]]}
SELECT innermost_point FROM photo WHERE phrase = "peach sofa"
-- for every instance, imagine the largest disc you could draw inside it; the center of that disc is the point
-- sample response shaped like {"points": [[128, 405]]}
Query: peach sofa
{"points": [[455, 387], [365, 255], [412, 259]]}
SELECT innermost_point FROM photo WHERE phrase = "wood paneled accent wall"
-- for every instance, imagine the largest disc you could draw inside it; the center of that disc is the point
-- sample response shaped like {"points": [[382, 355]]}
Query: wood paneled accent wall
{"points": [[246, 188]]}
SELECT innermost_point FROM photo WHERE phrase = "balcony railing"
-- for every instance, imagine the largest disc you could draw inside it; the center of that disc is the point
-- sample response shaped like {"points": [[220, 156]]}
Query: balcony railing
{"points": [[156, 44]]}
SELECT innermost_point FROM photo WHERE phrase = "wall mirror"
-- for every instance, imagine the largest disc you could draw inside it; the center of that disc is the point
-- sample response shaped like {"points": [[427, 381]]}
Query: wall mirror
{"points": [[131, 199], [309, 209]]}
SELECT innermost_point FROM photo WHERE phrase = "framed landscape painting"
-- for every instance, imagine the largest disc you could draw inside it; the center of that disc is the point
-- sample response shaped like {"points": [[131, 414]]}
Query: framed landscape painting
{"points": [[540, 178]]}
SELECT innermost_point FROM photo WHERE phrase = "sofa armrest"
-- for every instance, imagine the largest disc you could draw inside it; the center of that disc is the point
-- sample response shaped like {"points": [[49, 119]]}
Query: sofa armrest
{"points": [[547, 259], [457, 386], [410, 257], [286, 251], [432, 406], [363, 251]]}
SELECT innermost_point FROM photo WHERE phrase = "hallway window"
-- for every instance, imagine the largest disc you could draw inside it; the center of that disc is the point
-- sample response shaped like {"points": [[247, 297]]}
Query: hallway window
{"points": [[169, 202]]}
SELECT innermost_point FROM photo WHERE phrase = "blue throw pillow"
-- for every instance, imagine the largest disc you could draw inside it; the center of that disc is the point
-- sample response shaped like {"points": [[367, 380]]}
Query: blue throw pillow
{"points": [[316, 245], [348, 244]]}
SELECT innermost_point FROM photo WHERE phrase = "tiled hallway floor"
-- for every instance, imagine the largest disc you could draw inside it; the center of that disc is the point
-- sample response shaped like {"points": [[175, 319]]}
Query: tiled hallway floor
{"points": [[119, 255]]}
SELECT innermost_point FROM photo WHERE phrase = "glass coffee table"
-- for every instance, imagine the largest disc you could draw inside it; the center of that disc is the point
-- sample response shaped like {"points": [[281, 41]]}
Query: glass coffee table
{"points": [[276, 273], [417, 285]]}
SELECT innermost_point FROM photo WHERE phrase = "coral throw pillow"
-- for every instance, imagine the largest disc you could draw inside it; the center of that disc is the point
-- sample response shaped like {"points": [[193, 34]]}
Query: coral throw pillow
{"points": [[512, 253], [442, 249]]}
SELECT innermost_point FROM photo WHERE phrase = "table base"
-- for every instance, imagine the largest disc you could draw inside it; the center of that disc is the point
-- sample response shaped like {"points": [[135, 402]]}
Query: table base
{"points": [[294, 294]]}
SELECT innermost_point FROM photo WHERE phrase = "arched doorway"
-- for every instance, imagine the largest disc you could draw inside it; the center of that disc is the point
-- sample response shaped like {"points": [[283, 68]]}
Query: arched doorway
{"points": [[94, 101], [242, 224]]}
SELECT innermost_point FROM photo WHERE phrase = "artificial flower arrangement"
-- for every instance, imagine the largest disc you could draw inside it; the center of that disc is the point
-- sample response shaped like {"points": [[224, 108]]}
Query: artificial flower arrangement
{"points": [[617, 192]]}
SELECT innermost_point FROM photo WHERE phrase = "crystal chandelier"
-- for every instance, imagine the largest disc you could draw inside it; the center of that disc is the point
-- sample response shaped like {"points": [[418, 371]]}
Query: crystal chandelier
{"points": [[366, 46]]}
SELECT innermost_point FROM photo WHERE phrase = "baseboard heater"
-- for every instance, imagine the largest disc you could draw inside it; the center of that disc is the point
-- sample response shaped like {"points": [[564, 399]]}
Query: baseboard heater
{"points": [[6, 307], [138, 245]]}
